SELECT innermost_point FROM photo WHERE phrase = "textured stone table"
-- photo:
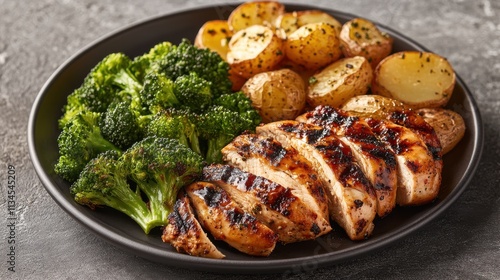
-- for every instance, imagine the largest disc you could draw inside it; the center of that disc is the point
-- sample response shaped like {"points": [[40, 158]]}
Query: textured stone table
{"points": [[37, 36]]}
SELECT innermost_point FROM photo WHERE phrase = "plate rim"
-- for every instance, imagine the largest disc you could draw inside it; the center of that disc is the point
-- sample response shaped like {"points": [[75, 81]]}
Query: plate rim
{"points": [[258, 265]]}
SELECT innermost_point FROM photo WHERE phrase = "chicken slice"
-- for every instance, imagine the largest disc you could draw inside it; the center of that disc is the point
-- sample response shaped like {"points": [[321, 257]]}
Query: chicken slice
{"points": [[377, 161], [419, 176], [185, 233], [273, 204], [353, 203], [266, 157], [226, 221]]}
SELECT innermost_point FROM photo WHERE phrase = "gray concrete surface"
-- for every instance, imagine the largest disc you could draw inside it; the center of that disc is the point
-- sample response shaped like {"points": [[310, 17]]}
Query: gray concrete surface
{"points": [[37, 36]]}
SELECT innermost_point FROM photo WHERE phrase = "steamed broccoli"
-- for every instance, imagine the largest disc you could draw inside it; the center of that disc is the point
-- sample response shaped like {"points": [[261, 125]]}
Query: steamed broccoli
{"points": [[79, 142], [103, 182], [176, 124], [240, 103], [208, 65], [218, 126], [193, 92], [160, 167], [158, 93], [120, 125], [149, 62]]}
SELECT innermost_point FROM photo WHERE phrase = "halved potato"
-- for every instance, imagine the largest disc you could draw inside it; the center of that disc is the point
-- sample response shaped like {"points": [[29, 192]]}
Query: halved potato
{"points": [[372, 106], [313, 45], [253, 50], [418, 79], [214, 35], [448, 125], [255, 13], [361, 37], [340, 81], [288, 23], [277, 95]]}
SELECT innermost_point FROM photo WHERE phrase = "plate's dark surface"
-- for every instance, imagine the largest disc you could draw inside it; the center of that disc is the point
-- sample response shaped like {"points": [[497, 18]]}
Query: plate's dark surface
{"points": [[134, 40]]}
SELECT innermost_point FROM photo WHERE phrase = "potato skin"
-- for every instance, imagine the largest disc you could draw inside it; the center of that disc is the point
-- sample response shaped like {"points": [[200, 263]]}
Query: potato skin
{"points": [[313, 45], [418, 79], [448, 125], [339, 81], [373, 106], [214, 35], [253, 50], [288, 23], [255, 13], [277, 95], [361, 37]]}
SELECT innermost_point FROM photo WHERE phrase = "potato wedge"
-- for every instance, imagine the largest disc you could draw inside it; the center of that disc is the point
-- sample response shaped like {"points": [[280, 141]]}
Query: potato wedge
{"points": [[214, 35], [313, 45], [340, 81], [448, 125], [361, 37], [255, 13], [372, 106], [253, 50], [277, 95], [418, 79], [288, 23]]}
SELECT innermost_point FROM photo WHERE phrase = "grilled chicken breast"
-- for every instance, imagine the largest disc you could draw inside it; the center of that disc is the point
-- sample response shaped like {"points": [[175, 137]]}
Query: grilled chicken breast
{"points": [[375, 159], [266, 157], [419, 176], [273, 204], [353, 203], [226, 221], [185, 233]]}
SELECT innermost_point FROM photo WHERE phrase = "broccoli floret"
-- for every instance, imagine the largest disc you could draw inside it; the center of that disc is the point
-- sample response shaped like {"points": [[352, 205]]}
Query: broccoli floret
{"points": [[160, 167], [239, 102], [176, 124], [218, 126], [186, 58], [158, 93], [120, 125], [79, 142], [103, 182], [193, 92], [148, 62]]}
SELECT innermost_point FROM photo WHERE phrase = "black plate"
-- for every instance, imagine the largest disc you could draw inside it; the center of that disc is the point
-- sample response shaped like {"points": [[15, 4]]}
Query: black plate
{"points": [[118, 229]]}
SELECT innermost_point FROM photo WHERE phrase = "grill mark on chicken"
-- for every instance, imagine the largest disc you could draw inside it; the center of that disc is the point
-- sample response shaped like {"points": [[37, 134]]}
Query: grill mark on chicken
{"points": [[267, 158], [226, 221], [185, 233], [352, 198], [377, 162], [271, 203], [419, 173]]}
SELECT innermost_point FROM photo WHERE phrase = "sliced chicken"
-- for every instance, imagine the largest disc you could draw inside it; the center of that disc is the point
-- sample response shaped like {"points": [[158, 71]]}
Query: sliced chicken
{"points": [[417, 124], [419, 176], [375, 159], [226, 221], [185, 233], [266, 157], [273, 204], [353, 203]]}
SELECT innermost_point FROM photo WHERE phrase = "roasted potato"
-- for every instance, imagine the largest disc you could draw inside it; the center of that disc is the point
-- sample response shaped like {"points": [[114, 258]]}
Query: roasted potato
{"points": [[255, 13], [373, 106], [254, 50], [277, 95], [313, 45], [340, 81], [448, 125], [418, 79], [214, 35], [361, 37], [288, 23]]}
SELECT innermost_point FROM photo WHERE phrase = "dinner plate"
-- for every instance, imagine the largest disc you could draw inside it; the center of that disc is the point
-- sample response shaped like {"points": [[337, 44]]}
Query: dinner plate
{"points": [[133, 40]]}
